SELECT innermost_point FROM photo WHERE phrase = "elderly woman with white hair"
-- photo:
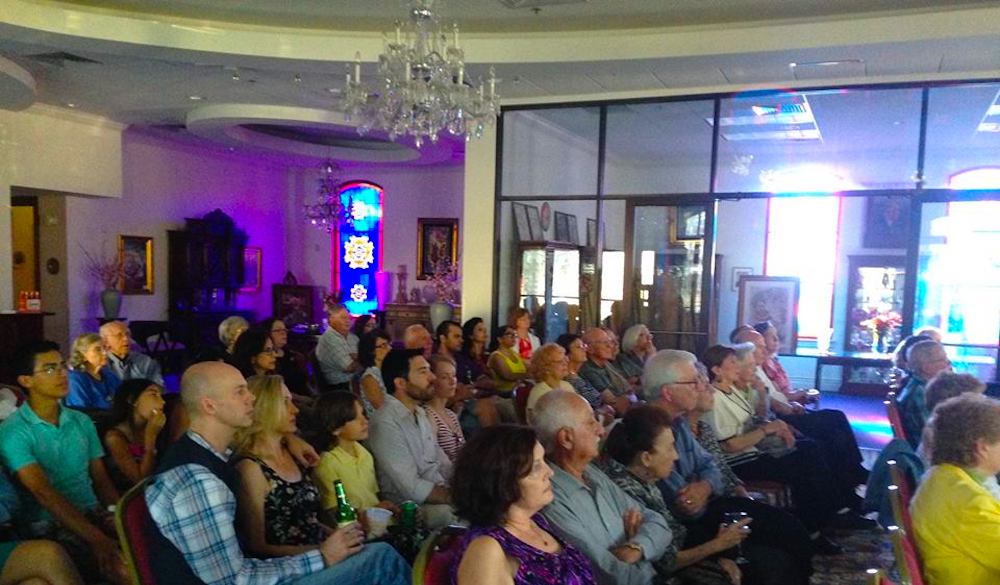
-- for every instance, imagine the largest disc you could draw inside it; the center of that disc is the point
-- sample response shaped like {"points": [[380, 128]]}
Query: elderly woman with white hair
{"points": [[637, 347], [230, 330], [956, 510]]}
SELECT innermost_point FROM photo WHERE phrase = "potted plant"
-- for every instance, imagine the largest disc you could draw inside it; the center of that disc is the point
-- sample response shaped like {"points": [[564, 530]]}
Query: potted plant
{"points": [[108, 272]]}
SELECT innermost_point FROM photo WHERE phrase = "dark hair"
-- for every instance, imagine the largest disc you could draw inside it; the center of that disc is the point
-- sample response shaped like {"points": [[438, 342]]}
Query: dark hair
{"points": [[484, 482], [762, 327], [125, 398], [24, 357], [268, 324], [468, 332], [332, 411], [366, 346], [397, 365], [566, 340], [358, 327], [247, 347], [735, 333], [714, 356], [636, 433], [442, 329], [497, 334]]}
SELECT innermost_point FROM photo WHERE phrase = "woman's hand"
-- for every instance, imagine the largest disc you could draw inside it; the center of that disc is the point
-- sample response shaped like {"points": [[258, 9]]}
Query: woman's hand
{"points": [[627, 553], [730, 535], [156, 422], [303, 452], [343, 543], [632, 520]]}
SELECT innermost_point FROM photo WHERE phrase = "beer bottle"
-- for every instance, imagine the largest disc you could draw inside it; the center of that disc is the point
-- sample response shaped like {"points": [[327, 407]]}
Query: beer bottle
{"points": [[345, 512]]}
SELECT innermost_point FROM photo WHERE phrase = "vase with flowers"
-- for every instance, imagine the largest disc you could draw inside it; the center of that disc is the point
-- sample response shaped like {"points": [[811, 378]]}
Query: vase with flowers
{"points": [[882, 321], [108, 272], [444, 282]]}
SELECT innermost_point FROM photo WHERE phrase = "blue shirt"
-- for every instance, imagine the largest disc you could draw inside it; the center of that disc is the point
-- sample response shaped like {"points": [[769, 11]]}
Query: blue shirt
{"points": [[135, 366], [333, 351], [64, 453], [694, 463], [196, 512], [86, 392]]}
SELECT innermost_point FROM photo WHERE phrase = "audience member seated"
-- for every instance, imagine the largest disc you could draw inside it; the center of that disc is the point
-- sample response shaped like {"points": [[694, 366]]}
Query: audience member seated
{"points": [[193, 504], [772, 368], [92, 384], [549, 368], [253, 354], [614, 387], [343, 456], [829, 428], [769, 451], [372, 349], [576, 353], [501, 484], [56, 456], [448, 343], [123, 361], [956, 509], [637, 346], [361, 325], [290, 364], [701, 488], [410, 463], [472, 369], [444, 420], [621, 537], [901, 371], [509, 370], [519, 319], [337, 359], [638, 453], [31, 562], [417, 336], [137, 418], [925, 359], [942, 387], [230, 330]]}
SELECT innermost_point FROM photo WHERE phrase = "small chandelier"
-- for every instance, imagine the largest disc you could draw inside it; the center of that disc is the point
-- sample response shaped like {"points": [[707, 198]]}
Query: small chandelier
{"points": [[421, 89], [328, 212]]}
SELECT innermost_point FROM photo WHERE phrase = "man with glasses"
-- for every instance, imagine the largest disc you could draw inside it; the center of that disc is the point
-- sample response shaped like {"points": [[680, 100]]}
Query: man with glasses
{"points": [[55, 455], [601, 373], [925, 360], [124, 362]]}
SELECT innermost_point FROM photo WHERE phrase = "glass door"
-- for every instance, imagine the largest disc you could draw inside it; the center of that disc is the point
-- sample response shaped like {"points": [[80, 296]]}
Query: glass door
{"points": [[958, 282], [668, 273]]}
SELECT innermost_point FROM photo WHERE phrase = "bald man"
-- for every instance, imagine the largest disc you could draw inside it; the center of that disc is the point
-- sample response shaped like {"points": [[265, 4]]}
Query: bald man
{"points": [[192, 503], [125, 363], [417, 336]]}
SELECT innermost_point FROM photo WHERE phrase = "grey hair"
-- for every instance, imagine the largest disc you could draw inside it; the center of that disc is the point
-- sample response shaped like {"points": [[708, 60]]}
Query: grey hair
{"points": [[554, 412], [744, 350], [920, 354], [949, 385], [956, 425], [631, 336], [662, 369], [228, 328]]}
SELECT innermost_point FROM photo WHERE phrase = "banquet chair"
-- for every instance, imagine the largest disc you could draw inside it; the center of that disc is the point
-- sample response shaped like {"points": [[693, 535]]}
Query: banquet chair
{"points": [[907, 560], [521, 393], [878, 577], [903, 494], [892, 412], [433, 563], [133, 524]]}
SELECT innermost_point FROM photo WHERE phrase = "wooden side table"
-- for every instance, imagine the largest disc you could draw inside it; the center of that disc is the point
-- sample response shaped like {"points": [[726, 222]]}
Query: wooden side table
{"points": [[400, 316]]}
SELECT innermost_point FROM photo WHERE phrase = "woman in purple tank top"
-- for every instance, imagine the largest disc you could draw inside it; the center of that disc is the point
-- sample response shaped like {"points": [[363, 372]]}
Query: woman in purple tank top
{"points": [[500, 484]]}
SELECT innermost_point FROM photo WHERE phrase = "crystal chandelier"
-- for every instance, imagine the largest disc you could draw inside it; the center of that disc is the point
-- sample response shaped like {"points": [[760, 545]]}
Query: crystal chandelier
{"points": [[328, 212], [420, 88]]}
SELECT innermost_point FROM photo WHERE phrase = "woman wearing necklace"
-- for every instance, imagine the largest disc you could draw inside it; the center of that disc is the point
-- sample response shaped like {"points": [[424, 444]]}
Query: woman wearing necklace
{"points": [[500, 484], [763, 451]]}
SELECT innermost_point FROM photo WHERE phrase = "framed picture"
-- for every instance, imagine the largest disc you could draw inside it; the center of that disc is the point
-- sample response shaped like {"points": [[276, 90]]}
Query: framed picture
{"points": [[293, 304], [887, 222], [437, 242], [574, 232], [251, 270], [520, 212], [738, 274], [688, 224], [566, 228], [774, 299], [136, 256], [535, 223], [591, 233]]}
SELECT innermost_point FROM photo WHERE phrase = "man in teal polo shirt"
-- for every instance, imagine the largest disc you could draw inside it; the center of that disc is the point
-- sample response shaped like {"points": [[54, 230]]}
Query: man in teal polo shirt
{"points": [[55, 455]]}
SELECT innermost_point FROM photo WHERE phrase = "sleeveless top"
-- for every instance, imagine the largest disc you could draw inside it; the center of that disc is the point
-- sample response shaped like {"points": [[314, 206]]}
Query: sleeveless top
{"points": [[291, 509], [536, 567], [136, 451], [516, 366]]}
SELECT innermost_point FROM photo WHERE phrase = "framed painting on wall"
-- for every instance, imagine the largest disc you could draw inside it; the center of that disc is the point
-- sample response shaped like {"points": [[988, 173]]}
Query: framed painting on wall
{"points": [[251, 270], [521, 224], [292, 303], [535, 223], [591, 233], [887, 222], [774, 299], [135, 253], [437, 243]]}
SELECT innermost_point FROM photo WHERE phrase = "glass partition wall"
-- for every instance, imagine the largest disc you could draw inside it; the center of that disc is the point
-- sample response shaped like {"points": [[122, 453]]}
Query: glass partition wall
{"points": [[672, 201]]}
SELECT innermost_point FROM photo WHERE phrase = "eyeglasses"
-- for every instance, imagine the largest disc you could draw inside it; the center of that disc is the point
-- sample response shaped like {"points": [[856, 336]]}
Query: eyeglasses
{"points": [[52, 368], [510, 334], [690, 383], [280, 330], [267, 350]]}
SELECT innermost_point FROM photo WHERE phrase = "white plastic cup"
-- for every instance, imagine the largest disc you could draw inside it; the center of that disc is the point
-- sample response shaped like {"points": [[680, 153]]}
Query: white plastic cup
{"points": [[378, 521]]}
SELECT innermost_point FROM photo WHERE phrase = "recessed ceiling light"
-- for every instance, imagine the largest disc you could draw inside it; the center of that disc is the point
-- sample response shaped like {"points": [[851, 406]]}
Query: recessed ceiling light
{"points": [[70, 105], [196, 98]]}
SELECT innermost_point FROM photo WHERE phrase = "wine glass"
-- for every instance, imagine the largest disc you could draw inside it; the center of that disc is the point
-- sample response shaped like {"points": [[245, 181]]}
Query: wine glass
{"points": [[736, 518]]}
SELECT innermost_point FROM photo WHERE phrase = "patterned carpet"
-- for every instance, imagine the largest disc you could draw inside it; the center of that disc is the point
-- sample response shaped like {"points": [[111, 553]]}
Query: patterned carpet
{"points": [[862, 550]]}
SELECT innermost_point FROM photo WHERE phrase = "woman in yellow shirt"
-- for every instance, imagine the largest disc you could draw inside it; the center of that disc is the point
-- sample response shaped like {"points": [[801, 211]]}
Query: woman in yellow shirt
{"points": [[343, 457], [956, 510]]}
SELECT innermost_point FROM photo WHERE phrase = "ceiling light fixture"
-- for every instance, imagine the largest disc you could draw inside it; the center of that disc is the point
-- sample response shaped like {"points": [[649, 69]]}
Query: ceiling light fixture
{"points": [[421, 89], [329, 211], [196, 98]]}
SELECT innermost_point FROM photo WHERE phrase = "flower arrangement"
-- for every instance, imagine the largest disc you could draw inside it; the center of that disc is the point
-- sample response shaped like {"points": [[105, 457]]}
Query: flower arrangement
{"points": [[882, 320], [445, 280], [107, 271]]}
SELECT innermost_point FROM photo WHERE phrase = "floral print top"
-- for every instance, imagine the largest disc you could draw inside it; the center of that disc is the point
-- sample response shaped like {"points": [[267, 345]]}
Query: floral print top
{"points": [[291, 509], [706, 437]]}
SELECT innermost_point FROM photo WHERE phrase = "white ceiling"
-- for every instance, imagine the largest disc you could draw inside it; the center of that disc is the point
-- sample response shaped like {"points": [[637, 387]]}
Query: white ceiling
{"points": [[151, 57]]}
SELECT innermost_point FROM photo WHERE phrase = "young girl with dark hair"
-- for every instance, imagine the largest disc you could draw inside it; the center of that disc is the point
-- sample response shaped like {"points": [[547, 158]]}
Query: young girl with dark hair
{"points": [[137, 418]]}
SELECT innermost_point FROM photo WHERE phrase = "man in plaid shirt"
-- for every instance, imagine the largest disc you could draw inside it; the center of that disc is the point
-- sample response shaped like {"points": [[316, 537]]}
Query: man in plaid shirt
{"points": [[193, 505]]}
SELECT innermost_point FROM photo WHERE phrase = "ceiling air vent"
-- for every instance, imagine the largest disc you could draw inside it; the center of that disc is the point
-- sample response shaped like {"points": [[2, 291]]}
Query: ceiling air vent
{"points": [[60, 58], [516, 4]]}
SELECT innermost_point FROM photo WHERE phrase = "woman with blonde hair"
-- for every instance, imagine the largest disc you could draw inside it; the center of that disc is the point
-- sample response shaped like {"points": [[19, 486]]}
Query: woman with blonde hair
{"points": [[549, 369], [92, 384], [230, 330]]}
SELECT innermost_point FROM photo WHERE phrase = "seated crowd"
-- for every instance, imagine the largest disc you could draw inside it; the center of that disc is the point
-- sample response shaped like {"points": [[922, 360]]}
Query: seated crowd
{"points": [[582, 461]]}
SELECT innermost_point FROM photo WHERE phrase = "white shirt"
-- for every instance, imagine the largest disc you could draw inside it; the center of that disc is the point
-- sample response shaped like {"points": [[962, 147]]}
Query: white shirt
{"points": [[772, 391]]}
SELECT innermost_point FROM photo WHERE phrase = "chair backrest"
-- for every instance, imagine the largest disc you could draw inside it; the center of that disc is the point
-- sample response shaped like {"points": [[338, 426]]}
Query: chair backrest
{"points": [[134, 524], [907, 559], [895, 420], [521, 393], [433, 563], [903, 493], [878, 577]]}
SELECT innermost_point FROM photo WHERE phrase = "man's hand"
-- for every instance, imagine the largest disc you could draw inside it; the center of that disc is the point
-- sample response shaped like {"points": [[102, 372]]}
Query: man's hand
{"points": [[730, 535], [343, 543], [632, 519], [109, 560], [731, 569], [301, 451], [627, 553], [692, 498]]}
